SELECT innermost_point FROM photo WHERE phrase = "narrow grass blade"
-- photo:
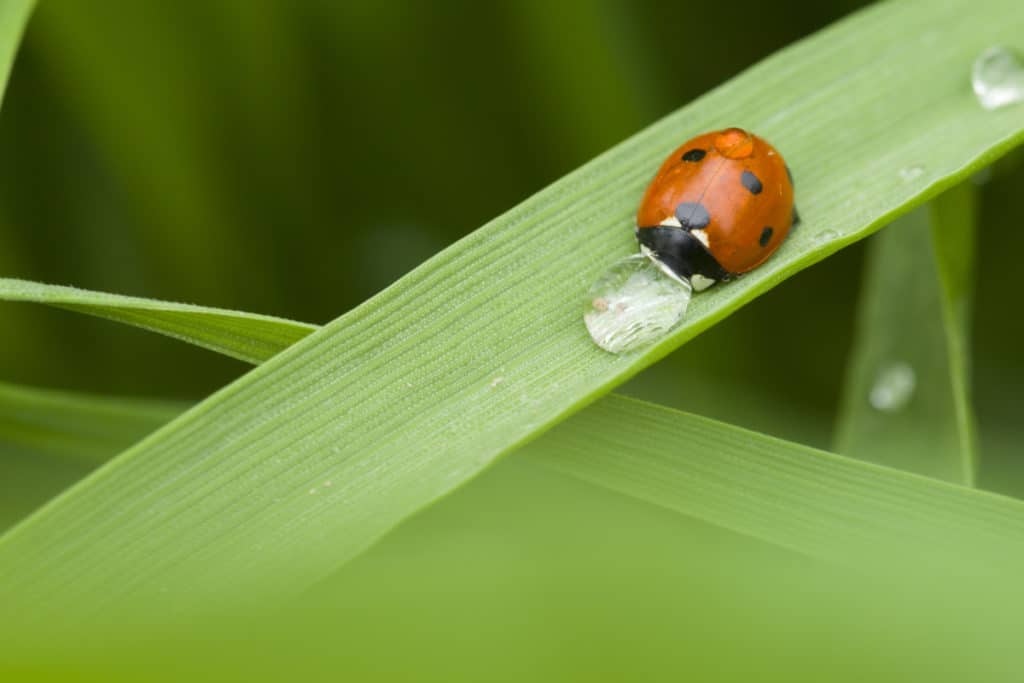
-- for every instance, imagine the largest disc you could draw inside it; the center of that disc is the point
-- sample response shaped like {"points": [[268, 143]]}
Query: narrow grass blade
{"points": [[297, 467], [906, 403], [954, 231], [246, 336]]}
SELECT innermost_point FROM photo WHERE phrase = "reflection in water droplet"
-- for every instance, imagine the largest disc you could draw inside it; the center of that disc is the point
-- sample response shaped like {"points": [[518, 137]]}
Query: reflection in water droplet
{"points": [[634, 304], [998, 78], [911, 173], [893, 388]]}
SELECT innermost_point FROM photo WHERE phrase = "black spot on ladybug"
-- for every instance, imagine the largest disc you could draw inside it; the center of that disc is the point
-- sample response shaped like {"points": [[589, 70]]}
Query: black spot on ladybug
{"points": [[789, 174], [692, 215], [766, 236], [751, 182], [694, 155], [796, 218]]}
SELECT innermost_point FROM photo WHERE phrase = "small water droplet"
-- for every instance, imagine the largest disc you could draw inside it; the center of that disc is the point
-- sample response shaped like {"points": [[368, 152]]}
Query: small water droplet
{"points": [[911, 173], [893, 388], [998, 78], [634, 304], [826, 236]]}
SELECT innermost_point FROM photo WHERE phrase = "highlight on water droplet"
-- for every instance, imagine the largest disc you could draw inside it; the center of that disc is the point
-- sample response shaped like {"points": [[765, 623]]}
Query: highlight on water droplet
{"points": [[911, 173], [633, 304], [998, 78], [893, 388]]}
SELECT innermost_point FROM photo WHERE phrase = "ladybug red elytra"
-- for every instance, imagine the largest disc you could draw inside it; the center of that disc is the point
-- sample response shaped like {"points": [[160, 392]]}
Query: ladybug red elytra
{"points": [[719, 206]]}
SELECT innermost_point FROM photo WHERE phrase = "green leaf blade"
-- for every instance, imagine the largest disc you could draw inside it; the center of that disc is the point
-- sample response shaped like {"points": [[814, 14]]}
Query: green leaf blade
{"points": [[954, 232], [801, 498], [246, 336]]}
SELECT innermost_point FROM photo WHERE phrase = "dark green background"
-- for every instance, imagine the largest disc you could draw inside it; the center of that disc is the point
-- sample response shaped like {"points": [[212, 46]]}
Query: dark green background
{"points": [[294, 158]]}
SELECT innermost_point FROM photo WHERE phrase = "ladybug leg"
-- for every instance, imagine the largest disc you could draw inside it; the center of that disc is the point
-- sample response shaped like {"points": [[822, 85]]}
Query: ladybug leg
{"points": [[796, 218]]}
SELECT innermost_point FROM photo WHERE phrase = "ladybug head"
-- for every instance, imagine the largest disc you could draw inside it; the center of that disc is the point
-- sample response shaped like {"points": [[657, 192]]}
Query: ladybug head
{"points": [[682, 254]]}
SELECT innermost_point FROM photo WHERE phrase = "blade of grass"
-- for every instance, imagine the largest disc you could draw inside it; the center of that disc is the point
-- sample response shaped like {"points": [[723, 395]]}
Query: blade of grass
{"points": [[905, 403], [294, 469], [246, 336], [811, 501], [954, 230]]}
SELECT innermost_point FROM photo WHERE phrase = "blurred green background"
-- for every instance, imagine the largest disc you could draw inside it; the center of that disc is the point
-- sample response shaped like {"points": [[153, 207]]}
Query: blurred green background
{"points": [[295, 158]]}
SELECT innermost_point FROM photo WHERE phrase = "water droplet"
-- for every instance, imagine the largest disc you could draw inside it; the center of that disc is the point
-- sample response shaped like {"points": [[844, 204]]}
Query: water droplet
{"points": [[998, 78], [634, 304], [893, 388], [826, 236], [911, 173]]}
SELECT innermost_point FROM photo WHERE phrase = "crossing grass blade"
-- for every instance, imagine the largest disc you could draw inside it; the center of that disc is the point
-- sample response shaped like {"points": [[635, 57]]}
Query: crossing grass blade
{"points": [[817, 503], [297, 467]]}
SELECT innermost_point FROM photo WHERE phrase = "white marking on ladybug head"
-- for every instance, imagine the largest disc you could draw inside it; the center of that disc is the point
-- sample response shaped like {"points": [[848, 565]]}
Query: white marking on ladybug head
{"points": [[702, 236], [671, 222]]}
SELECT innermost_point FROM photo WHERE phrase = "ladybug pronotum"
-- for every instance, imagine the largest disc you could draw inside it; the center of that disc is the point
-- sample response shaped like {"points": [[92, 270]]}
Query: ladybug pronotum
{"points": [[719, 206]]}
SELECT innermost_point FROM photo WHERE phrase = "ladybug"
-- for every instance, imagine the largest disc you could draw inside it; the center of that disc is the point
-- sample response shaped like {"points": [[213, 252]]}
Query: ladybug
{"points": [[719, 206]]}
